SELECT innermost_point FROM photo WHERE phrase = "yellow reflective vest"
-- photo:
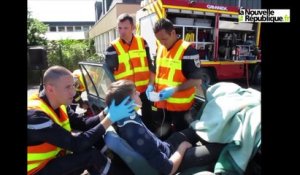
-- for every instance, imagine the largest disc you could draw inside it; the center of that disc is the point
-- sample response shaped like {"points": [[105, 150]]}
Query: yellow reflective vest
{"points": [[169, 74], [39, 155], [133, 64]]}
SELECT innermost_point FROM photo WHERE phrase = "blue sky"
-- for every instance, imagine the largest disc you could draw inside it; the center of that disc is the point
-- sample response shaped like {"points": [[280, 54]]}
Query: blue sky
{"points": [[62, 10]]}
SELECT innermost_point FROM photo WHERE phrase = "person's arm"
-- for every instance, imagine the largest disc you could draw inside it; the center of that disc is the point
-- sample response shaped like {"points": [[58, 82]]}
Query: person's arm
{"points": [[42, 129], [123, 110], [79, 122], [188, 84], [151, 64], [152, 77], [111, 58], [150, 86], [149, 59], [191, 64], [190, 69], [177, 156]]}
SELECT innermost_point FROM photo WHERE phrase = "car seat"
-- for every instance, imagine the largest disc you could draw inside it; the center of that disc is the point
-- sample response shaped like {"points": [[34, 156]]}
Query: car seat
{"points": [[137, 163]]}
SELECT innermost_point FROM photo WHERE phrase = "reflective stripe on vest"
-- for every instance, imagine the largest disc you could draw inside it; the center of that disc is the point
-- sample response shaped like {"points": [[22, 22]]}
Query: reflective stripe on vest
{"points": [[128, 69], [169, 74], [47, 155], [39, 155], [77, 98], [40, 105]]}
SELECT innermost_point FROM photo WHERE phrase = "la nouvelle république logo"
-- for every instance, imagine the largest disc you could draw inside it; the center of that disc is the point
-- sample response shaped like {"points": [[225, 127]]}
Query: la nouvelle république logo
{"points": [[264, 15]]}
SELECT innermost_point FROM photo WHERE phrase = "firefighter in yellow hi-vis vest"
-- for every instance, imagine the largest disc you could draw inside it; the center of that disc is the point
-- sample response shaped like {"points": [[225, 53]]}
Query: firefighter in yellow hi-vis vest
{"points": [[172, 84], [128, 58], [79, 87], [51, 148]]}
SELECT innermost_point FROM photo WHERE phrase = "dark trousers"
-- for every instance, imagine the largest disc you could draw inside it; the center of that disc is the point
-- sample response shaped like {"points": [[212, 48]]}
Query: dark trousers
{"points": [[75, 164], [166, 122], [202, 154]]}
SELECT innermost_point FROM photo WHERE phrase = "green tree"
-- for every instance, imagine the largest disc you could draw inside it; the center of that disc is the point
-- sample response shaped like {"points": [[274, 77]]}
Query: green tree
{"points": [[69, 52], [35, 31]]}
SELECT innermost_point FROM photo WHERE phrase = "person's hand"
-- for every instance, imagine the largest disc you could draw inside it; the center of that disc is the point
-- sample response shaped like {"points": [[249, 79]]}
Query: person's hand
{"points": [[166, 93], [149, 89], [123, 110]]}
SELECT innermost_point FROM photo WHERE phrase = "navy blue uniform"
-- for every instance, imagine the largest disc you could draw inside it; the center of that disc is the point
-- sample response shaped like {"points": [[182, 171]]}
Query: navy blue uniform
{"points": [[143, 141], [176, 120], [86, 155], [158, 152]]}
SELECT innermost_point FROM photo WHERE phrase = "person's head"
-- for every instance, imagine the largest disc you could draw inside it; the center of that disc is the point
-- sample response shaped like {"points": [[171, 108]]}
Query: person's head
{"points": [[165, 32], [59, 86], [79, 84], [125, 26], [119, 90]]}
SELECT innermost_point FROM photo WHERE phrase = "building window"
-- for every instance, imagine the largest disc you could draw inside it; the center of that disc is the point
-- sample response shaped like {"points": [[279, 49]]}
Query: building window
{"points": [[70, 29], [86, 28], [111, 35], [106, 39], [102, 47], [116, 33], [97, 44], [77, 28], [52, 28], [61, 28]]}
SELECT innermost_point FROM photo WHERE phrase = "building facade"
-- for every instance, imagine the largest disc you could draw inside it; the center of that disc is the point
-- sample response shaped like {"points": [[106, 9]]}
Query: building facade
{"points": [[107, 12], [68, 30]]}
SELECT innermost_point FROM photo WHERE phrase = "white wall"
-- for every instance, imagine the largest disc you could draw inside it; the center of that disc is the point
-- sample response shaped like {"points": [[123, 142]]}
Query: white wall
{"points": [[64, 35]]}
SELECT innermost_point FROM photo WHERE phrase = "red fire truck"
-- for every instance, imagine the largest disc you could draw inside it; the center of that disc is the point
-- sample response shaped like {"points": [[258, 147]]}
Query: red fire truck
{"points": [[228, 49]]}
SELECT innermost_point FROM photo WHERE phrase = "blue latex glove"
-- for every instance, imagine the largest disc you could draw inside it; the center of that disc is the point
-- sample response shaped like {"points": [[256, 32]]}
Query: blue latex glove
{"points": [[149, 89], [166, 93], [123, 110]]}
